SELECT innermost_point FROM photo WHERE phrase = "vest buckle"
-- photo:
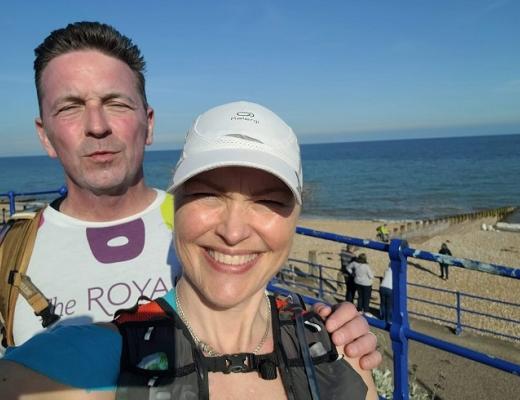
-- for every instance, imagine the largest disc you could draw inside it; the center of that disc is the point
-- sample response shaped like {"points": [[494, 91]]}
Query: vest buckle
{"points": [[237, 363]]}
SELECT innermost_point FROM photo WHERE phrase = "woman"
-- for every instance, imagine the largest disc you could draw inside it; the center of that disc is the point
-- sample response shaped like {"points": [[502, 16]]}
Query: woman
{"points": [[363, 278], [238, 192]]}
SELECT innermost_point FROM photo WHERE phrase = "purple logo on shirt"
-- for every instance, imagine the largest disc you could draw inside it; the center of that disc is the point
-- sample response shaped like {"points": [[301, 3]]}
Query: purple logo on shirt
{"points": [[104, 242]]}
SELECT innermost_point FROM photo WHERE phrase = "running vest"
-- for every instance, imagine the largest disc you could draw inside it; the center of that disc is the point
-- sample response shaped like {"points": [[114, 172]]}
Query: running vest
{"points": [[160, 360]]}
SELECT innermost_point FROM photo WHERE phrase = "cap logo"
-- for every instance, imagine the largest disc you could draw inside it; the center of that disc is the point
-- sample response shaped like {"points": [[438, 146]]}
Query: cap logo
{"points": [[245, 116]]}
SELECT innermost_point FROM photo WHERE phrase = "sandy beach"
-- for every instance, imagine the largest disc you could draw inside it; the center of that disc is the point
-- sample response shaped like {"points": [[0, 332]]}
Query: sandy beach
{"points": [[466, 240]]}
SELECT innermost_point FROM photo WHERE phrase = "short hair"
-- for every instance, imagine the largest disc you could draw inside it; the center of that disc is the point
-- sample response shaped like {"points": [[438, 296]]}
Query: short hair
{"points": [[86, 35]]}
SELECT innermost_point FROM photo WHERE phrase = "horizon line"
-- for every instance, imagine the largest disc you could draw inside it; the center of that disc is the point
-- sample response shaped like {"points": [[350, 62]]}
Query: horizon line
{"points": [[332, 141]]}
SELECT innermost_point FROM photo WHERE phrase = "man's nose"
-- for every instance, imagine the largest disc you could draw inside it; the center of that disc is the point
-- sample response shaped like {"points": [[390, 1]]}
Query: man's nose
{"points": [[234, 226], [96, 123]]}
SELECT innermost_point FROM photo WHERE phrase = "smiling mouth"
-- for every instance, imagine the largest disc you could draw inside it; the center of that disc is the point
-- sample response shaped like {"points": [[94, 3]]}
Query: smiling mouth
{"points": [[102, 155], [232, 260]]}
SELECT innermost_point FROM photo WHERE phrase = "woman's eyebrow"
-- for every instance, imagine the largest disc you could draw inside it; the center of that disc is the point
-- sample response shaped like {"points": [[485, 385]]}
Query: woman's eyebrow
{"points": [[205, 182], [215, 186], [272, 190]]}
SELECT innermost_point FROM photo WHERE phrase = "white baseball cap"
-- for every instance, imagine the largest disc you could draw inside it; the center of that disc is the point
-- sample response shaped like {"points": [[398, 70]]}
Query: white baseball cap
{"points": [[241, 134]]}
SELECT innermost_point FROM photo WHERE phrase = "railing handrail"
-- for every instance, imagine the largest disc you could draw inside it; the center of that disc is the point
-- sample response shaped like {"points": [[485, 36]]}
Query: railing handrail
{"points": [[12, 195], [459, 309], [465, 294], [495, 269]]}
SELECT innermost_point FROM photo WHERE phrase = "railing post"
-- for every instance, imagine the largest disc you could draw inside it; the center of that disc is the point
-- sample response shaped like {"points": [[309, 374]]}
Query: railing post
{"points": [[63, 190], [321, 280], [400, 324], [458, 329], [12, 204]]}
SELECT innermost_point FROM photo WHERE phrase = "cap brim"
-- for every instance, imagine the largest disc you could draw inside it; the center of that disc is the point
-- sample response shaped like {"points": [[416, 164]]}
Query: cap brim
{"points": [[208, 160]]}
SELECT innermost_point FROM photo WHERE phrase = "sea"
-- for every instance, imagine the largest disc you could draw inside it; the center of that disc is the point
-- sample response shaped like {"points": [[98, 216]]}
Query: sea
{"points": [[379, 180]]}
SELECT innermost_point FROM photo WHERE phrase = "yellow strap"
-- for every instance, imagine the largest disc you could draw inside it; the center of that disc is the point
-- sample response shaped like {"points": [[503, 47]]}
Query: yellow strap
{"points": [[15, 254]]}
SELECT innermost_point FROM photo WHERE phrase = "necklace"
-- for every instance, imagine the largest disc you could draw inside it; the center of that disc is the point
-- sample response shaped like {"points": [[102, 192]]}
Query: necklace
{"points": [[206, 348]]}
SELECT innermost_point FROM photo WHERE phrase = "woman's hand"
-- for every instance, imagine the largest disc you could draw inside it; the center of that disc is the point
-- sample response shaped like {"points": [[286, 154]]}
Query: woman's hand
{"points": [[350, 329]]}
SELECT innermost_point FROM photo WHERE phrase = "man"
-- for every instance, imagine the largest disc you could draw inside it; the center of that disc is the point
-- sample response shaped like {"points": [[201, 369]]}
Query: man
{"points": [[383, 233], [108, 241]]}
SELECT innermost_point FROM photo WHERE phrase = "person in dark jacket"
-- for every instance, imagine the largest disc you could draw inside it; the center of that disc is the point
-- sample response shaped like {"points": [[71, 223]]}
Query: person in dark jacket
{"points": [[444, 267], [346, 257]]}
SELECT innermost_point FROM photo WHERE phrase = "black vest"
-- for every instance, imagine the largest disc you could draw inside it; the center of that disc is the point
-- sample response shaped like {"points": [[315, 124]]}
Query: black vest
{"points": [[159, 359]]}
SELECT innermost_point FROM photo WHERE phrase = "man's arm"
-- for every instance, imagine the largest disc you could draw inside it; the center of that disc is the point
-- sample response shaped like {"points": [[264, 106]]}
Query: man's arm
{"points": [[67, 362], [19, 382], [350, 329]]}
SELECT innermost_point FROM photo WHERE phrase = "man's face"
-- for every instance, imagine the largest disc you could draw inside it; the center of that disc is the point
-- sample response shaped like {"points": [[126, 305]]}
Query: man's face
{"points": [[94, 120]]}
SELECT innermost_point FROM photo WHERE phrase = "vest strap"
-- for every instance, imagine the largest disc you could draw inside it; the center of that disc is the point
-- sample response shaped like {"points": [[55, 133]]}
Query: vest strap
{"points": [[265, 364]]}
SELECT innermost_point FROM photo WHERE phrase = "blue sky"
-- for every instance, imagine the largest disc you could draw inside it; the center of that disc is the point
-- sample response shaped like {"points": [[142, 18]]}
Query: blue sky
{"points": [[334, 70]]}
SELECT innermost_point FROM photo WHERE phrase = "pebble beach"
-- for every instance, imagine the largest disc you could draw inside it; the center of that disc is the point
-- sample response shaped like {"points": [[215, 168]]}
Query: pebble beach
{"points": [[465, 240]]}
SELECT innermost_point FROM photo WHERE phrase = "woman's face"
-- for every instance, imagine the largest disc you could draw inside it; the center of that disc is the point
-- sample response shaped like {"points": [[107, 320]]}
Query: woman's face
{"points": [[233, 231]]}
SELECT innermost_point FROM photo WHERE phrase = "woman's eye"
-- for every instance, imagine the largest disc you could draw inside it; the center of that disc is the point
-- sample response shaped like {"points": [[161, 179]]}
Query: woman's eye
{"points": [[201, 194], [272, 202]]}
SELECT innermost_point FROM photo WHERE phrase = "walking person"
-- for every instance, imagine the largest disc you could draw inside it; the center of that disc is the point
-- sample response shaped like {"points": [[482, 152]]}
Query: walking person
{"points": [[363, 278], [444, 267], [385, 296], [346, 257]]}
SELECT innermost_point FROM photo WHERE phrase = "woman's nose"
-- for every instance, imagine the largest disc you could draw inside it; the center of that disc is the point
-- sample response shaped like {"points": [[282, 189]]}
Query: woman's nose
{"points": [[234, 225]]}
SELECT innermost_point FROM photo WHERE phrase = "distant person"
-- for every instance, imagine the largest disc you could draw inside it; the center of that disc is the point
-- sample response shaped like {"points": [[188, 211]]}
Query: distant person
{"points": [[385, 296], [444, 267], [108, 241], [383, 233], [346, 257], [363, 278]]}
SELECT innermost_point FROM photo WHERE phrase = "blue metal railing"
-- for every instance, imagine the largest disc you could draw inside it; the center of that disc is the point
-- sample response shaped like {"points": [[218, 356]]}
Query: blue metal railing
{"points": [[460, 309], [400, 331], [328, 286], [11, 195]]}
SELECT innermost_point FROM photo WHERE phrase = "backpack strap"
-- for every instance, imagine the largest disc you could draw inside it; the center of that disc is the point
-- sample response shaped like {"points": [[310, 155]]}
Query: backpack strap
{"points": [[16, 246], [298, 308]]}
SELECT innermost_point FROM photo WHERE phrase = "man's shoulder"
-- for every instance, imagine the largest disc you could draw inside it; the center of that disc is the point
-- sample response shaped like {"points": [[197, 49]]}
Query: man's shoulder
{"points": [[161, 207]]}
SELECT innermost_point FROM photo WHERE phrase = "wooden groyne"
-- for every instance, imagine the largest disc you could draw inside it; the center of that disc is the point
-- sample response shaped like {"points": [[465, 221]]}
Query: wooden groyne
{"points": [[432, 225]]}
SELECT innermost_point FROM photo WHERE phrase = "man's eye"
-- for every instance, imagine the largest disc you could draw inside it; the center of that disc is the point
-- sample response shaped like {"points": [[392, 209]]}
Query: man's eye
{"points": [[68, 107], [117, 105]]}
